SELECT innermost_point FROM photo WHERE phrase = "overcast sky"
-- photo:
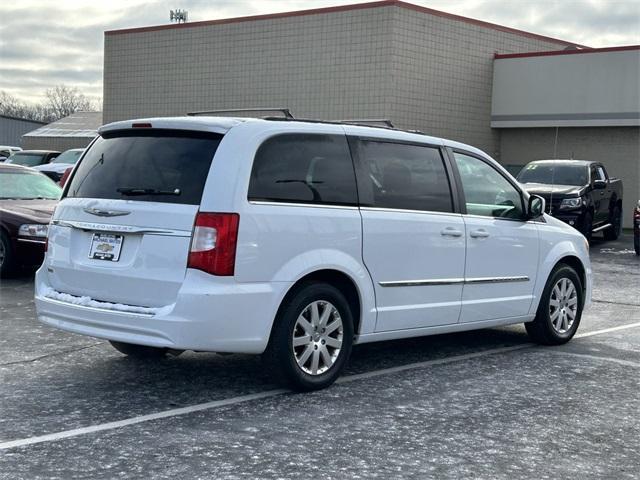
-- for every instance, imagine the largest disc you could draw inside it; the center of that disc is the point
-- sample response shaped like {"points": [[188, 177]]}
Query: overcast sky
{"points": [[44, 43]]}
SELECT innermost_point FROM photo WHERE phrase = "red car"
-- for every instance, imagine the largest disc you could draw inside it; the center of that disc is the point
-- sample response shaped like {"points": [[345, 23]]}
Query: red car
{"points": [[27, 201], [636, 228]]}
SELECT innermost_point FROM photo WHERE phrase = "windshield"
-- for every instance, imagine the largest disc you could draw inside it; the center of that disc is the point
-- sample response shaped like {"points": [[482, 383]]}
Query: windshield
{"points": [[554, 174], [26, 159], [27, 185], [167, 166], [70, 156]]}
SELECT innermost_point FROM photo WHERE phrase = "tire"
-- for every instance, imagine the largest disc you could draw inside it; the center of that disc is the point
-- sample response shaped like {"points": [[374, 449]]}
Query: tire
{"points": [[616, 225], [636, 243], [587, 225], [551, 326], [320, 354], [7, 256], [141, 352]]}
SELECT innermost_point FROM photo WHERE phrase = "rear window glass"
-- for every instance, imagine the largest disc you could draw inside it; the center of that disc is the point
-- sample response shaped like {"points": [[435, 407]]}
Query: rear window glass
{"points": [[26, 159], [154, 166], [304, 168]]}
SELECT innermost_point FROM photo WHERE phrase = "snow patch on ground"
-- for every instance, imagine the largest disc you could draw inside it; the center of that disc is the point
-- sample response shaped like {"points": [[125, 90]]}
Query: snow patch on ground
{"points": [[85, 301]]}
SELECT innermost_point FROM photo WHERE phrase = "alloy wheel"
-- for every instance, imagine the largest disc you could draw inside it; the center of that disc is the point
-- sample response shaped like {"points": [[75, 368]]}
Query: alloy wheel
{"points": [[317, 337], [563, 305]]}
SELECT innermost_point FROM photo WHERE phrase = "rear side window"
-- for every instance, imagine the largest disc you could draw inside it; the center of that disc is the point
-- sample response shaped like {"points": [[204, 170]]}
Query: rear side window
{"points": [[304, 168], [154, 166], [402, 176]]}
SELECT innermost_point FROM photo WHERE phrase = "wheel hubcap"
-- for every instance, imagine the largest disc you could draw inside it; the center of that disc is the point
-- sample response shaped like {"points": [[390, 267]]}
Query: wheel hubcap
{"points": [[563, 305], [317, 337]]}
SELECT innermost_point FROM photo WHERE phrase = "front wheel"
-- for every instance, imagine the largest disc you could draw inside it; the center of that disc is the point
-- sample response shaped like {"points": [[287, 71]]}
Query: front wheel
{"points": [[587, 226], [560, 308], [613, 232], [636, 243], [7, 256], [311, 338]]}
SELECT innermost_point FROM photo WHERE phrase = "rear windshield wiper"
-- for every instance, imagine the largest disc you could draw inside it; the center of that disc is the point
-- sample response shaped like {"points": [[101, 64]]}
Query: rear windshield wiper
{"points": [[147, 191]]}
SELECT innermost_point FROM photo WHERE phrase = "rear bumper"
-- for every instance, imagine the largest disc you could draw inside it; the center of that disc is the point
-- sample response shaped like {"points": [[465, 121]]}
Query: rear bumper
{"points": [[213, 314]]}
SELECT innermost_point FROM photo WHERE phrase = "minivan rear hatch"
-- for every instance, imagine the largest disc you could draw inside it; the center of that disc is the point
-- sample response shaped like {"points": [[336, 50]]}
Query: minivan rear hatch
{"points": [[122, 232]]}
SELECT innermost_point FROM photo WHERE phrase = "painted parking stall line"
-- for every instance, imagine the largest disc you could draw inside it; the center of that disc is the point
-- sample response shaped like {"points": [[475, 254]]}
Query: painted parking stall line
{"points": [[52, 437]]}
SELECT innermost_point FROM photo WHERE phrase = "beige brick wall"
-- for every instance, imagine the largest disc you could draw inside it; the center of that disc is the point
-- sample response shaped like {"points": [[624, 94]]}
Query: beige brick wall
{"points": [[423, 71], [618, 148], [54, 143]]}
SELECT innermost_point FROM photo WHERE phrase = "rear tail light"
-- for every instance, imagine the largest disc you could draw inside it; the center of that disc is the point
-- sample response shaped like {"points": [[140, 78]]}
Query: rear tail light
{"points": [[213, 243], [65, 176]]}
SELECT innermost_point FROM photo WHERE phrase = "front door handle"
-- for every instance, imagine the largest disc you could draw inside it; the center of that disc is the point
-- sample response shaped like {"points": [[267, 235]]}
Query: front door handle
{"points": [[450, 232], [481, 233]]}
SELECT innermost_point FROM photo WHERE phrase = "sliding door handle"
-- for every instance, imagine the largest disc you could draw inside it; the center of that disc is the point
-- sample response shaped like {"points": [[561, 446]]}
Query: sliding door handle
{"points": [[481, 233]]}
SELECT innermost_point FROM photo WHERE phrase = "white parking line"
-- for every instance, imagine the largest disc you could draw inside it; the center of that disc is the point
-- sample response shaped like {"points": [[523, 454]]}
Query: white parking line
{"points": [[272, 393], [625, 363]]}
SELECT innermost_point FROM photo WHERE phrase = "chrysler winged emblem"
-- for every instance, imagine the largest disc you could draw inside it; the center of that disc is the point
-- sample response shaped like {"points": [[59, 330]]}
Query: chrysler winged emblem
{"points": [[106, 213]]}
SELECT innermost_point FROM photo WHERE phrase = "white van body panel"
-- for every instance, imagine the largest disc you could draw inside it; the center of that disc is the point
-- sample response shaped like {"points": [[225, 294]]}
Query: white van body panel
{"points": [[279, 244]]}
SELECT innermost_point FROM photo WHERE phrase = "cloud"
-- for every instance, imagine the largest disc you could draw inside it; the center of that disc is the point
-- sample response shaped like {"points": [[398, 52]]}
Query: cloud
{"points": [[45, 43]]}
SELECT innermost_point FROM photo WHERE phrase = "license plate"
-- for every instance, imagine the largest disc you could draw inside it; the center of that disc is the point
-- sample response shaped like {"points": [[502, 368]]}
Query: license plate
{"points": [[106, 246]]}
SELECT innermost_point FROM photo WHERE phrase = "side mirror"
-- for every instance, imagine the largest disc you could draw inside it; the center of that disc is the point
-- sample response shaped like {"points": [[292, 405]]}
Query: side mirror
{"points": [[599, 184], [536, 206]]}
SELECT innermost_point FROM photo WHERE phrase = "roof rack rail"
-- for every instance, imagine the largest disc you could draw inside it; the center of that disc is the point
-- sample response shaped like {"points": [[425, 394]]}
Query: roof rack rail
{"points": [[369, 121], [285, 111]]}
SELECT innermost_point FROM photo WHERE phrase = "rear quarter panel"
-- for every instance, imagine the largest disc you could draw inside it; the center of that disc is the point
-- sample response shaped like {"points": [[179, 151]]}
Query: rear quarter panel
{"points": [[280, 242]]}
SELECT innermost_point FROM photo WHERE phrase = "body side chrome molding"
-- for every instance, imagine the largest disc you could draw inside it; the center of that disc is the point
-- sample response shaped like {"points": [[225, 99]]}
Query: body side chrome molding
{"points": [[103, 227], [452, 281]]}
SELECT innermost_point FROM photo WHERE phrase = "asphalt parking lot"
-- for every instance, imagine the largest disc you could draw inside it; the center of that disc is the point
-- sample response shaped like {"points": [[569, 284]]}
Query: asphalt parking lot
{"points": [[485, 404]]}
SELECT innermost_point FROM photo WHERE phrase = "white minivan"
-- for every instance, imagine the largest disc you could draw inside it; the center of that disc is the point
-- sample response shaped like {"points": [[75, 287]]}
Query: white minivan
{"points": [[296, 240]]}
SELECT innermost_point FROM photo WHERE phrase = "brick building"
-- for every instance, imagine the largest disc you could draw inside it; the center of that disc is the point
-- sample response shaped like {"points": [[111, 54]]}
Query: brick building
{"points": [[421, 68]]}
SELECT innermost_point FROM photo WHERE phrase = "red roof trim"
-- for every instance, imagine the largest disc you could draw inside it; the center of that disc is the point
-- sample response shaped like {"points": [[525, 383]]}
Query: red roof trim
{"points": [[343, 8], [552, 53]]}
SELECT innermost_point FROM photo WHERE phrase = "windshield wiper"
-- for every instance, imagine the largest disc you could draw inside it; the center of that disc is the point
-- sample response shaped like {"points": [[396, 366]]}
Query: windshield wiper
{"points": [[147, 191]]}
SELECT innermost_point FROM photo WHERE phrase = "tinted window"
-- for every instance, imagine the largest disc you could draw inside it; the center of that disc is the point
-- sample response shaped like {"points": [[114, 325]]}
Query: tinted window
{"points": [[26, 159], [304, 168], [153, 166], [600, 173], [486, 191], [553, 174], [403, 176]]}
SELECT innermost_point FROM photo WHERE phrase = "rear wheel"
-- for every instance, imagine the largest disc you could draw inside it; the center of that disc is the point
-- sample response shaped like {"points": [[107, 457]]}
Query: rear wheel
{"points": [[311, 338], [139, 351], [636, 242], [613, 232], [7, 256], [560, 308]]}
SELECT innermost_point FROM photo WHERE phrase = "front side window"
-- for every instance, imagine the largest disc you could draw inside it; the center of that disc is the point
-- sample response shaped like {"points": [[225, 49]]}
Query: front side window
{"points": [[600, 173], [487, 192], [402, 176], [304, 168]]}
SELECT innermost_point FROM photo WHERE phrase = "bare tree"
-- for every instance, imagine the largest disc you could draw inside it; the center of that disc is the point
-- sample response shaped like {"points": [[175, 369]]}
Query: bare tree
{"points": [[62, 101]]}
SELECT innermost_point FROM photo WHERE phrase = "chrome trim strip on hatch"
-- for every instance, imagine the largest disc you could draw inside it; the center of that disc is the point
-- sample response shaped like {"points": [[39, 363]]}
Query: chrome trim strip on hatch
{"points": [[106, 213], [452, 281], [103, 227]]}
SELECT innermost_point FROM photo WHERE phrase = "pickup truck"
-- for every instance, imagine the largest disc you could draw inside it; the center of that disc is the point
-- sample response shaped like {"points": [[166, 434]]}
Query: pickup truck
{"points": [[578, 192]]}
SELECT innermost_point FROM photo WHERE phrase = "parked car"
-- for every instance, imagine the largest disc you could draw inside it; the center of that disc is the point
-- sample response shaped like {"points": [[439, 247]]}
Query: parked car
{"points": [[56, 168], [579, 193], [32, 158], [6, 151], [636, 228], [27, 200], [298, 239]]}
